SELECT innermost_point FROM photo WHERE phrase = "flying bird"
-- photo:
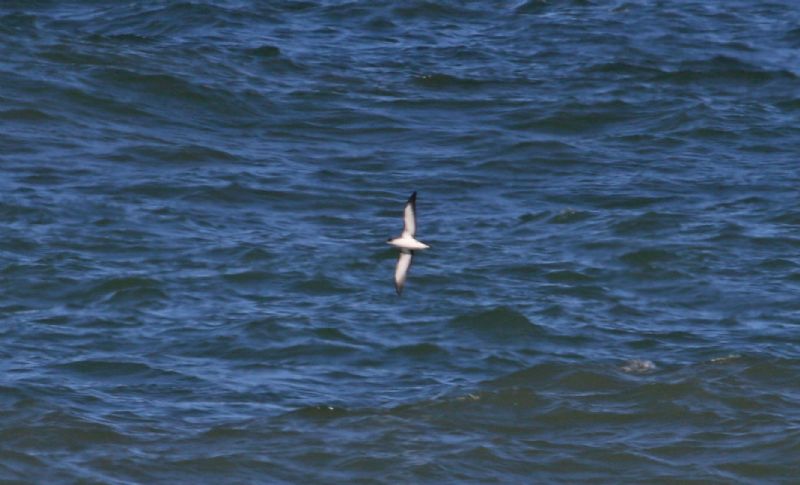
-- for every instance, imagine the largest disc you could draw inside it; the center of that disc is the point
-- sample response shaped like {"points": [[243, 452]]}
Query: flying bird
{"points": [[406, 243]]}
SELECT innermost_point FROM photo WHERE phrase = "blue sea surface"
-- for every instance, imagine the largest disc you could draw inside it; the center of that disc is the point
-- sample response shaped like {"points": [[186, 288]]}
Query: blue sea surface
{"points": [[195, 285]]}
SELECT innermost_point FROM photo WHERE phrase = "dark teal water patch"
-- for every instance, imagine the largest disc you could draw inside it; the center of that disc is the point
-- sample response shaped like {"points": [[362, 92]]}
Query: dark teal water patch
{"points": [[24, 115], [646, 257]]}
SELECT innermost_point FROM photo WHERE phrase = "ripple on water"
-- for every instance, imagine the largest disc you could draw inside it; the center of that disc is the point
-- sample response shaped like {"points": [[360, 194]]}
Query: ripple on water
{"points": [[500, 322], [321, 285], [124, 289]]}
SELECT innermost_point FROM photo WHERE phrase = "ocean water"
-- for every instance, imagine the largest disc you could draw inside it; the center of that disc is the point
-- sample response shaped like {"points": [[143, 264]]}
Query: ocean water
{"points": [[195, 198]]}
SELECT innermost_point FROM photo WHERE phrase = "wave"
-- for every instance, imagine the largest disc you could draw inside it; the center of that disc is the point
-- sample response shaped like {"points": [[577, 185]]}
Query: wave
{"points": [[499, 322]]}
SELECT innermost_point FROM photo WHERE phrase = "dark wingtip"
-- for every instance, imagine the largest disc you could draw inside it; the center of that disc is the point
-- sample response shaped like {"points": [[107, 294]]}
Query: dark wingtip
{"points": [[413, 197]]}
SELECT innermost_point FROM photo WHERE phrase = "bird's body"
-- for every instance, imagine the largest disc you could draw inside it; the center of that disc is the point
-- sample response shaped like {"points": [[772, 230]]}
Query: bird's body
{"points": [[406, 243]]}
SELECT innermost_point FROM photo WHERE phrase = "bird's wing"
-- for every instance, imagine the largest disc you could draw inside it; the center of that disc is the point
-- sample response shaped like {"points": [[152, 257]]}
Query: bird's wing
{"points": [[400, 273], [410, 216]]}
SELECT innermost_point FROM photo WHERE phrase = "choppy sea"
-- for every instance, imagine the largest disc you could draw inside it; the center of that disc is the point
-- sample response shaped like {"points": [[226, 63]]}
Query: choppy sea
{"points": [[195, 285]]}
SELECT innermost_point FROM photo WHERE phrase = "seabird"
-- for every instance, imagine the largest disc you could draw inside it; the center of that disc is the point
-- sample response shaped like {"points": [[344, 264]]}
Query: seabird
{"points": [[406, 243]]}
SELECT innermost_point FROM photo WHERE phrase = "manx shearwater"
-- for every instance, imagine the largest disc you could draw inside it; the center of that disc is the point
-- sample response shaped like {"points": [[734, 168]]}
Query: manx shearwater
{"points": [[406, 243]]}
